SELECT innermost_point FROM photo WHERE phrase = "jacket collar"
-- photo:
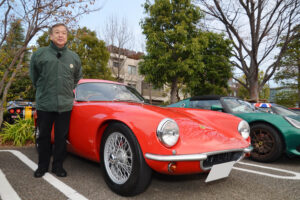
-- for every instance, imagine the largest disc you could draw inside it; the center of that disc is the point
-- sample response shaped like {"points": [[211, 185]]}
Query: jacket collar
{"points": [[53, 46]]}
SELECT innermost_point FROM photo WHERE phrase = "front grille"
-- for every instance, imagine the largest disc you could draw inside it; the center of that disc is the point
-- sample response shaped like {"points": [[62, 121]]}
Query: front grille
{"points": [[221, 158]]}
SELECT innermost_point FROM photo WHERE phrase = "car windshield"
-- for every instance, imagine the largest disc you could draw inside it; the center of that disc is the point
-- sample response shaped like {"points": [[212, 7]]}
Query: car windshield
{"points": [[281, 110], [204, 104], [238, 106], [96, 91]]}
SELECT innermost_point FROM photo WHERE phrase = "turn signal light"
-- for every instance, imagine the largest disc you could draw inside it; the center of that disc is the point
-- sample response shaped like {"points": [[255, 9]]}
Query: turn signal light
{"points": [[172, 167]]}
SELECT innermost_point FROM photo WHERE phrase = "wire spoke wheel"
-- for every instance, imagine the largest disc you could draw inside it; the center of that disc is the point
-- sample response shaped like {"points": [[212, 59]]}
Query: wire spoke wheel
{"points": [[123, 165], [118, 158]]}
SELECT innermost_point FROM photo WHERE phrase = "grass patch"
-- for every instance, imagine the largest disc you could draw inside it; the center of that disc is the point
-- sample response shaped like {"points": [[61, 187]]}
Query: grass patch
{"points": [[20, 133]]}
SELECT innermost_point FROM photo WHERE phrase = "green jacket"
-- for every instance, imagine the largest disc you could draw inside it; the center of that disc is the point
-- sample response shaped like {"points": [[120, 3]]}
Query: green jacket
{"points": [[55, 73]]}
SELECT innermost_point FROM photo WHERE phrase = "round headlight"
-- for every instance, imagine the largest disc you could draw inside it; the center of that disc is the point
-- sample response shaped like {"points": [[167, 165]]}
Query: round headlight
{"points": [[168, 132], [244, 129]]}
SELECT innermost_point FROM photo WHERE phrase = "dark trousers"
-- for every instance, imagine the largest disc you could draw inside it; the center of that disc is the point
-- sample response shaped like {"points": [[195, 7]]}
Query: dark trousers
{"points": [[45, 122]]}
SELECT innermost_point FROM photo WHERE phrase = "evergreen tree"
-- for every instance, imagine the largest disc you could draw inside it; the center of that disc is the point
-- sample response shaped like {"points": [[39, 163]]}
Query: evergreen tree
{"points": [[288, 74], [179, 53], [173, 43], [213, 77], [21, 87]]}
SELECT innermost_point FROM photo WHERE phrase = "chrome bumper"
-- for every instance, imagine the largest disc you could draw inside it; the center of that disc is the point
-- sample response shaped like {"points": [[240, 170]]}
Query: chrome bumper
{"points": [[192, 157]]}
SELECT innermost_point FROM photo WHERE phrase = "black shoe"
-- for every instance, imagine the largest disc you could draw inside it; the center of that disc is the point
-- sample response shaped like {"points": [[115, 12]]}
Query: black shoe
{"points": [[60, 172], [40, 172]]}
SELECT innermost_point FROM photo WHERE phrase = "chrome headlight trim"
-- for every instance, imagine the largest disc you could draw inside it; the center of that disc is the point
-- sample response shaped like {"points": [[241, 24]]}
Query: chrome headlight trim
{"points": [[293, 122], [168, 132], [244, 129]]}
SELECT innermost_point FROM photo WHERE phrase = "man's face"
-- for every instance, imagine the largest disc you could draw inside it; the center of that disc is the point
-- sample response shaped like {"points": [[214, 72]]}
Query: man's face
{"points": [[59, 36]]}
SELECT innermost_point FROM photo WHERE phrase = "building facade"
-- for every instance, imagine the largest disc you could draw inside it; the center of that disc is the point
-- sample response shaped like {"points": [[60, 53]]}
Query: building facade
{"points": [[124, 65]]}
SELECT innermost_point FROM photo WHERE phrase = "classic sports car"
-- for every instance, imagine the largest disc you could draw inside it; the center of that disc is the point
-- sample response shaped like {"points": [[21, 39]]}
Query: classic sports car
{"points": [[19, 108], [271, 134], [111, 124]]}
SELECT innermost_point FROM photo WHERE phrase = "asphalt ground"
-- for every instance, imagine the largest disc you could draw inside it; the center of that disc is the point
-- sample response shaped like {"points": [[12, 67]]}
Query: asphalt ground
{"points": [[248, 180]]}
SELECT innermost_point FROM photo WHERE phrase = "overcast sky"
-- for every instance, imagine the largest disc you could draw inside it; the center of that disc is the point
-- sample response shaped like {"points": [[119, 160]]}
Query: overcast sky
{"points": [[131, 10]]}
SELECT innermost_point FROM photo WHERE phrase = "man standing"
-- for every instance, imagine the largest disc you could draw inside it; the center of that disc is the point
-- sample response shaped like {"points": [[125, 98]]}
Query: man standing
{"points": [[54, 71]]}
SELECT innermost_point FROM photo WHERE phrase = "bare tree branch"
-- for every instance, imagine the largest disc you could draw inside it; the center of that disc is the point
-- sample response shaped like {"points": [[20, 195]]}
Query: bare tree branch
{"points": [[256, 28], [117, 36], [5, 23], [36, 15]]}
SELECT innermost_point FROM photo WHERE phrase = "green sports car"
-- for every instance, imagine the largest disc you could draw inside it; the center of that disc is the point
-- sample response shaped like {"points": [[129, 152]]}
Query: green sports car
{"points": [[271, 134]]}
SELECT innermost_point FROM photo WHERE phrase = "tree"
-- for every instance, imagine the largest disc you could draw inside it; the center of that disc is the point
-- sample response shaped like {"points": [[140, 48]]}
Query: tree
{"points": [[21, 87], [214, 76], [36, 15], [173, 43], [117, 36], [264, 93], [92, 52], [285, 97], [288, 74], [255, 28]]}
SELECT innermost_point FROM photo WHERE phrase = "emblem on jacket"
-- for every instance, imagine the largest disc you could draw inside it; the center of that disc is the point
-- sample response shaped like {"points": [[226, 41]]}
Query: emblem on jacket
{"points": [[71, 66]]}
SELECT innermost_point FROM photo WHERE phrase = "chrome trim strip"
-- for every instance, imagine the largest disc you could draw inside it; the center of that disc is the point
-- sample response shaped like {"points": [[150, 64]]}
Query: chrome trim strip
{"points": [[186, 157], [248, 149], [191, 157]]}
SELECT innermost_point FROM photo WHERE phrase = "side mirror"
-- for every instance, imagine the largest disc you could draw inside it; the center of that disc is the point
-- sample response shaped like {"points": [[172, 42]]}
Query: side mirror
{"points": [[216, 108]]}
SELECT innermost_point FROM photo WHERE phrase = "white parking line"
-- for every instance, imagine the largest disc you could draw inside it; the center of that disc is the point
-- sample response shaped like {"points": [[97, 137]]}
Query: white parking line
{"points": [[62, 187], [6, 191], [295, 175]]}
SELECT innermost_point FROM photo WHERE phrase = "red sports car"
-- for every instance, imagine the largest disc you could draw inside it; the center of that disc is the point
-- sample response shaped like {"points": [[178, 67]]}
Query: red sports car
{"points": [[111, 124]]}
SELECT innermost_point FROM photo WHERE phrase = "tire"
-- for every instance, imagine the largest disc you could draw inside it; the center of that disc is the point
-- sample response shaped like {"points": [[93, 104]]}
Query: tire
{"points": [[267, 143], [119, 146]]}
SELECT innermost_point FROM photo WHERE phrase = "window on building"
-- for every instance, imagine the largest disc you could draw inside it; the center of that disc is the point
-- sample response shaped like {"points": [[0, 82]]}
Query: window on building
{"points": [[131, 69], [116, 64]]}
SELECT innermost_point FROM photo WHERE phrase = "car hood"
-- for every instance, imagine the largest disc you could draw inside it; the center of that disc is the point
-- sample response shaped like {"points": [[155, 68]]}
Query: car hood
{"points": [[200, 130], [208, 130], [274, 119]]}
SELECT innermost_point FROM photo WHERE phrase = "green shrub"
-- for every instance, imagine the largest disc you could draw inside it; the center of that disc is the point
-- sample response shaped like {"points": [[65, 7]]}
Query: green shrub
{"points": [[21, 132], [6, 116]]}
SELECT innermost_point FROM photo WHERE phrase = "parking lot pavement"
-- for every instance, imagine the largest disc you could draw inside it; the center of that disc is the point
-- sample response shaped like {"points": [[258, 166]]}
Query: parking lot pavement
{"points": [[248, 180]]}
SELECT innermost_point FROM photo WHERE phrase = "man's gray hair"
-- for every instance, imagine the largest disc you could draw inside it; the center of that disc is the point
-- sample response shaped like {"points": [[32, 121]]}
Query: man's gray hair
{"points": [[55, 25]]}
